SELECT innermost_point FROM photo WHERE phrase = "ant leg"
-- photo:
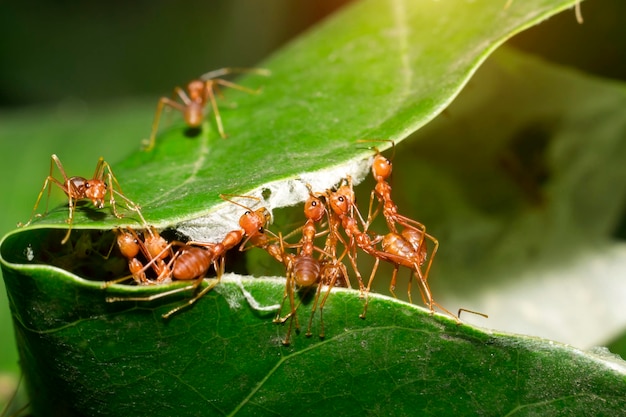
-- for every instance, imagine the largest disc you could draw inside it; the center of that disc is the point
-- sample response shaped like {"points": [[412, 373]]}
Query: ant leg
{"points": [[432, 254], [471, 311], [579, 13], [428, 298], [226, 71], [374, 268], [229, 84], [65, 186], [210, 86], [213, 282], [154, 296], [313, 309], [331, 284], [107, 284], [163, 101], [219, 269], [278, 319], [70, 219], [409, 286], [34, 212], [100, 166], [209, 287], [371, 216], [216, 111], [289, 288], [130, 204], [145, 268], [392, 284], [112, 196], [448, 312]]}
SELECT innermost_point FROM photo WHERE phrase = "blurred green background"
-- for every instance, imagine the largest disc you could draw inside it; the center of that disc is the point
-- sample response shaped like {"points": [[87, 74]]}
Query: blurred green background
{"points": [[70, 61]]}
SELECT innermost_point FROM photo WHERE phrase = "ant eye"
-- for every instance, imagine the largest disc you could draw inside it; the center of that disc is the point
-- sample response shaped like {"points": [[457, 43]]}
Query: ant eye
{"points": [[247, 213], [261, 230], [87, 185], [314, 203], [341, 199]]}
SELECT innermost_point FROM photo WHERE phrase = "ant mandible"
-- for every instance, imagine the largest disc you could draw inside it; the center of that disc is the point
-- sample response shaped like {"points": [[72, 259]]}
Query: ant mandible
{"points": [[79, 188], [194, 100]]}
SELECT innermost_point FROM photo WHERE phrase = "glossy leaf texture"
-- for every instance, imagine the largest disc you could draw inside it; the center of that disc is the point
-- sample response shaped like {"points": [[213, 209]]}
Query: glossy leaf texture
{"points": [[377, 69], [224, 356]]}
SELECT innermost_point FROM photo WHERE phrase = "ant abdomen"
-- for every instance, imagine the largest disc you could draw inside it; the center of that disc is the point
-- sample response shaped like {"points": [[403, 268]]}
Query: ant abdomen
{"points": [[306, 270], [193, 262]]}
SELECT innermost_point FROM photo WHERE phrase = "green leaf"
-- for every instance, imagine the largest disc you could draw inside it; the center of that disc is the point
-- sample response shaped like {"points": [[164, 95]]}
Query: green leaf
{"points": [[220, 358], [379, 69], [224, 357]]}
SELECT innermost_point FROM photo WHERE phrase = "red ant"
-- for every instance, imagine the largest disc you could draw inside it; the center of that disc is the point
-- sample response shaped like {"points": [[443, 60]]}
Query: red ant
{"points": [[343, 209], [192, 260], [194, 100], [154, 248], [195, 260], [303, 270], [381, 171], [79, 188], [414, 232], [188, 263], [397, 250]]}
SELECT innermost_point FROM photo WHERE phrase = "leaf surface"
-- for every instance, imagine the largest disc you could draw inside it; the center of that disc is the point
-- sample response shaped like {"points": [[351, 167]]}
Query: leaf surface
{"points": [[225, 357], [380, 69]]}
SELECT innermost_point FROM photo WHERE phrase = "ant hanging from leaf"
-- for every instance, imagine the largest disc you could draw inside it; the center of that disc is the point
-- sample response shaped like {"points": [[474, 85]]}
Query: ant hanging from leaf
{"points": [[198, 94], [303, 270], [79, 188]]}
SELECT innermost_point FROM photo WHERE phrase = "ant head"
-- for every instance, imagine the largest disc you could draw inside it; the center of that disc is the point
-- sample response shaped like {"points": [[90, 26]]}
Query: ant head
{"points": [[340, 201], [127, 243], [314, 209], [196, 89], [253, 222], [381, 168], [96, 190]]}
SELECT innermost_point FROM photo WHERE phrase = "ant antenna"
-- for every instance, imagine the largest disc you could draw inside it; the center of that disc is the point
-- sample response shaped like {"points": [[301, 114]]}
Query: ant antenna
{"points": [[374, 148], [471, 311]]}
